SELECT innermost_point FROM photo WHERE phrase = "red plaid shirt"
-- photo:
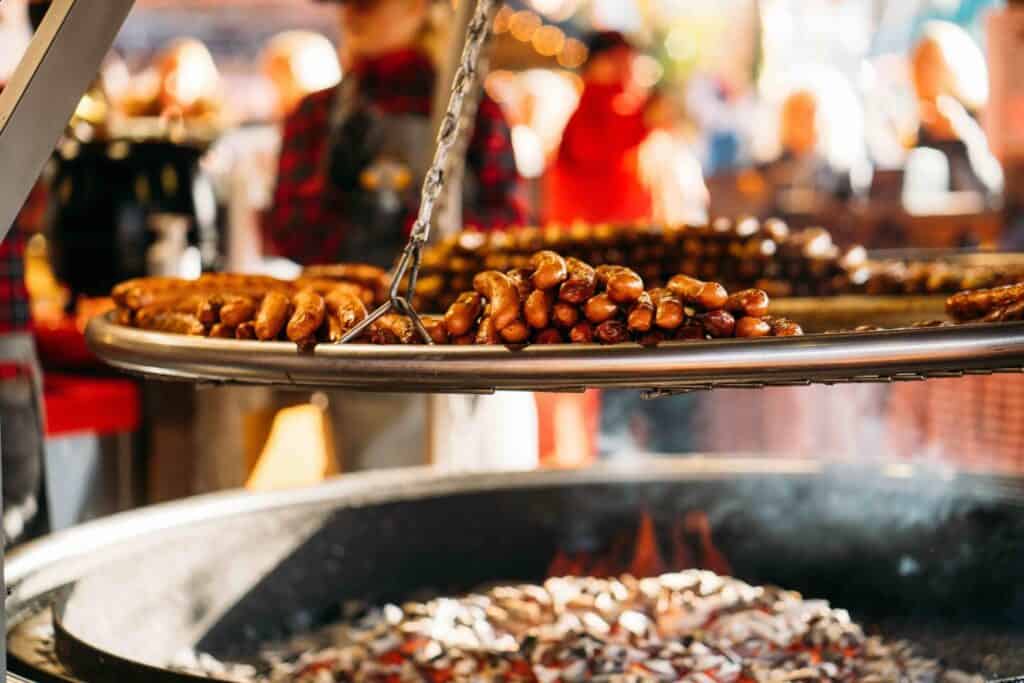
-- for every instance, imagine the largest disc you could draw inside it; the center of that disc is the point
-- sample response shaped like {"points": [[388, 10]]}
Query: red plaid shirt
{"points": [[15, 314], [308, 220]]}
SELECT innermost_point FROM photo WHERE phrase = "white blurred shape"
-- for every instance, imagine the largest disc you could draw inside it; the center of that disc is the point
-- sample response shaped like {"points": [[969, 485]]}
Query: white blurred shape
{"points": [[529, 153]]}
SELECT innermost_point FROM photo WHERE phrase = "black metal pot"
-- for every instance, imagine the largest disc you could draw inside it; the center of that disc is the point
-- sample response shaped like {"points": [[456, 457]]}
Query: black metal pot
{"points": [[917, 555], [102, 195]]}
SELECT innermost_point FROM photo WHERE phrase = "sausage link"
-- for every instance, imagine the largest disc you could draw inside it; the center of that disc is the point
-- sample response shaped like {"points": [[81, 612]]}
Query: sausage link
{"points": [[718, 324], [516, 332], [582, 333], [174, 322], [783, 327], [641, 316], [272, 315], [565, 315], [346, 308], [393, 328], [750, 303], [549, 270], [752, 327], [691, 331], [502, 296], [623, 285], [462, 315], [464, 340], [435, 328], [669, 313], [522, 279], [707, 295], [537, 309], [222, 331], [487, 333], [237, 310], [581, 283], [975, 304], [600, 308], [144, 291], [550, 335], [246, 330], [652, 338], [309, 311], [612, 332]]}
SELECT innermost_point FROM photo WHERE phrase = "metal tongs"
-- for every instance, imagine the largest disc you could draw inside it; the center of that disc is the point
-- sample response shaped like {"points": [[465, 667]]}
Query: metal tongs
{"points": [[467, 78]]}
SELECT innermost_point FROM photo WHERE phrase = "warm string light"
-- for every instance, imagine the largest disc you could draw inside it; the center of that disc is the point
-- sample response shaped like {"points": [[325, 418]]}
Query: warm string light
{"points": [[548, 40]]}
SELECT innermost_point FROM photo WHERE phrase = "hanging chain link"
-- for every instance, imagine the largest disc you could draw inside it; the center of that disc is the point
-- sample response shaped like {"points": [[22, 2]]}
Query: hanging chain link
{"points": [[467, 79]]}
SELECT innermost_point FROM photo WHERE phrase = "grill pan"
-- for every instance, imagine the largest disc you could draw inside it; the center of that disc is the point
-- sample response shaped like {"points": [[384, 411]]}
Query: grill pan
{"points": [[929, 556]]}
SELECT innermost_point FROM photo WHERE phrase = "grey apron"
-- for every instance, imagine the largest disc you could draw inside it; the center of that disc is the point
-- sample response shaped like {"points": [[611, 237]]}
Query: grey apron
{"points": [[21, 435]]}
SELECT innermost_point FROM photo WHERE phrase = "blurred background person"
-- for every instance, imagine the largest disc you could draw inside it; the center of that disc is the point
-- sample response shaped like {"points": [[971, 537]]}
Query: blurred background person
{"points": [[595, 176], [352, 156], [950, 81]]}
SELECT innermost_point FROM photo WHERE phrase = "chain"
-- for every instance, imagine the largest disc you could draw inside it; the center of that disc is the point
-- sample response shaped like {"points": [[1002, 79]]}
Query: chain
{"points": [[467, 78]]}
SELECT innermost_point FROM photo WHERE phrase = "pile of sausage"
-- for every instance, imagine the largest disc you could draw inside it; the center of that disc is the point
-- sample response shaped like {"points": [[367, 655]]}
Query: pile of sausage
{"points": [[558, 300], [555, 300], [252, 307], [1001, 304]]}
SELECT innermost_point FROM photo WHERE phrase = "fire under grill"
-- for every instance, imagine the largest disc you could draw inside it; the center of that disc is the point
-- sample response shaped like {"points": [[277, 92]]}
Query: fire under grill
{"points": [[417, 576]]}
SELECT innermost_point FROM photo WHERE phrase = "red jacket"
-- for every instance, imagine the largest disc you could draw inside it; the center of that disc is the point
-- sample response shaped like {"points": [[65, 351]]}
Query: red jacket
{"points": [[594, 177]]}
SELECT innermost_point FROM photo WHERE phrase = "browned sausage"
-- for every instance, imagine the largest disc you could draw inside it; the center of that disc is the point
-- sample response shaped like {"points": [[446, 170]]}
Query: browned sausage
{"points": [[565, 315], [435, 328], [237, 310], [309, 312], [523, 281], [464, 340], [144, 291], [641, 316], [752, 327], [782, 327], [347, 310], [487, 333], [612, 332], [246, 330], [124, 316], [517, 332], [692, 331], [174, 322], [222, 331], [207, 308], [582, 333], [669, 313], [462, 315], [707, 295], [393, 328], [581, 283], [549, 336], [623, 285], [718, 324], [272, 315], [501, 295], [652, 338], [549, 270], [537, 309], [750, 302], [600, 308], [975, 304]]}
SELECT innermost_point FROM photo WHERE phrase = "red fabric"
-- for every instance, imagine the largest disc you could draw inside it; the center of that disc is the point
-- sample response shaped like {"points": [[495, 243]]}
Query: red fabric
{"points": [[93, 405], [594, 177], [307, 222]]}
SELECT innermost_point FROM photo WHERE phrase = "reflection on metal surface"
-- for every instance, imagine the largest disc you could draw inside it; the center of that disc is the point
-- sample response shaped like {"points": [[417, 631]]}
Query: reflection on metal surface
{"points": [[894, 355]]}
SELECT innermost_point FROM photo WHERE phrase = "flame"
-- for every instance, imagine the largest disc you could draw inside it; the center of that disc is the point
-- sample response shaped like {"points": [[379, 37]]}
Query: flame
{"points": [[640, 554]]}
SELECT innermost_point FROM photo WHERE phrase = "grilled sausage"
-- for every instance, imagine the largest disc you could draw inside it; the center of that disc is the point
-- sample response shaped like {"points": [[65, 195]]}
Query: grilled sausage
{"points": [[582, 333], [750, 302], [517, 332], [641, 315], [782, 327], [174, 322], [581, 283], [612, 332], [502, 296], [272, 315], [237, 310], [347, 310], [550, 335], [707, 295], [565, 315], [669, 313], [549, 270], [623, 285], [487, 333], [600, 308], [522, 279], [222, 331], [309, 312], [718, 324], [436, 329], [246, 330], [752, 327], [537, 309], [462, 315]]}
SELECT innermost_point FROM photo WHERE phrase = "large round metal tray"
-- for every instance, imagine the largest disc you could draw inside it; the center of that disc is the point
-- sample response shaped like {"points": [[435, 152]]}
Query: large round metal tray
{"points": [[858, 357]]}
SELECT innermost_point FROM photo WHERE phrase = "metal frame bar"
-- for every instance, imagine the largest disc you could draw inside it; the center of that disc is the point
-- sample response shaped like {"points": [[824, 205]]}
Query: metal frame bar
{"points": [[61, 61]]}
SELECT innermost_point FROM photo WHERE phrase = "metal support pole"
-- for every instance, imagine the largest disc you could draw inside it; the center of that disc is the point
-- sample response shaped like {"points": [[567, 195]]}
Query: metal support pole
{"points": [[61, 61]]}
